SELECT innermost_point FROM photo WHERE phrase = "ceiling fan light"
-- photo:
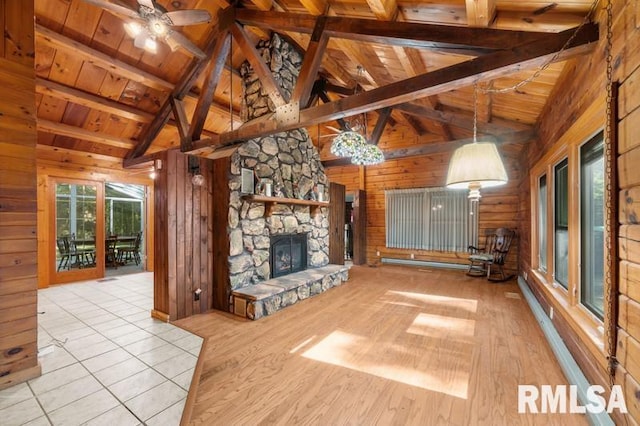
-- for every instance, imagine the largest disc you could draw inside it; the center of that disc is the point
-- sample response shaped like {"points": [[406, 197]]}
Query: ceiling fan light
{"points": [[157, 27], [133, 29], [150, 45]]}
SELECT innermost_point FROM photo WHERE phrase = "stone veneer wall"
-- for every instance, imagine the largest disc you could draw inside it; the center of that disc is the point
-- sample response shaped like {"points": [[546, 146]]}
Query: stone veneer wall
{"points": [[288, 160]]}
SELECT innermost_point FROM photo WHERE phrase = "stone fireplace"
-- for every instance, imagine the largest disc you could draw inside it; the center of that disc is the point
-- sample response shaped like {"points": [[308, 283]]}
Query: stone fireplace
{"points": [[291, 164]]}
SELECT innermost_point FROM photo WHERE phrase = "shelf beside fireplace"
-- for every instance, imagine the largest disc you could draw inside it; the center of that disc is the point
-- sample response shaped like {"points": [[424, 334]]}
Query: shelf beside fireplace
{"points": [[270, 202]]}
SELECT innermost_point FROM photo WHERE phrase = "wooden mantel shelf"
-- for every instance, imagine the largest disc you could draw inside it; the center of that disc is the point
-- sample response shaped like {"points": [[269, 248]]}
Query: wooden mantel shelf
{"points": [[270, 202]]}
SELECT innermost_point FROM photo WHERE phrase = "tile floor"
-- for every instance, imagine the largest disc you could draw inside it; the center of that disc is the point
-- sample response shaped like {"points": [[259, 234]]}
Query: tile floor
{"points": [[111, 364]]}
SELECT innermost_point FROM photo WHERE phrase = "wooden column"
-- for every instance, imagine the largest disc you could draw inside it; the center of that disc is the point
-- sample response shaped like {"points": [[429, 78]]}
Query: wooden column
{"points": [[359, 228], [221, 194], [336, 223], [184, 239], [18, 184]]}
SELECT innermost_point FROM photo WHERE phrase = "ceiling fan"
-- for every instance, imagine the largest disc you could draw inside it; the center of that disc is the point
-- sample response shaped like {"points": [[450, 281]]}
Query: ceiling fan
{"points": [[152, 22]]}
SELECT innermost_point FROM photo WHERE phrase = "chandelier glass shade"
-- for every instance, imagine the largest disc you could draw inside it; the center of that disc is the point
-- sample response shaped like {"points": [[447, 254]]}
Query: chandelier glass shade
{"points": [[368, 155], [347, 143]]}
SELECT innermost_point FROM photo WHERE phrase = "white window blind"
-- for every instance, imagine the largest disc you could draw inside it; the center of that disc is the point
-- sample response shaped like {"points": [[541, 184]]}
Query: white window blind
{"points": [[430, 219]]}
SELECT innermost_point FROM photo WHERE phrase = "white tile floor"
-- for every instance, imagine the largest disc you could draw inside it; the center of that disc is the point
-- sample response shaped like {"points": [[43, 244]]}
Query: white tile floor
{"points": [[112, 364]]}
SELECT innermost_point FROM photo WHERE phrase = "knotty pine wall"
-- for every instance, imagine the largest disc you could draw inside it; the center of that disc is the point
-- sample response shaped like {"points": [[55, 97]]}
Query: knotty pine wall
{"points": [[575, 111], [60, 163], [18, 244], [499, 207], [184, 239]]}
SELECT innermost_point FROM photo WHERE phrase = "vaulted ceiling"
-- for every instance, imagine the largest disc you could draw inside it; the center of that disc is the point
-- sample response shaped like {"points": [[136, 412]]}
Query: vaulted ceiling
{"points": [[98, 93]]}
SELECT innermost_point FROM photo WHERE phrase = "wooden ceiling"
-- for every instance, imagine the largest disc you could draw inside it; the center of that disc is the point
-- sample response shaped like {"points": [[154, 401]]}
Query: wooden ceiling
{"points": [[98, 94]]}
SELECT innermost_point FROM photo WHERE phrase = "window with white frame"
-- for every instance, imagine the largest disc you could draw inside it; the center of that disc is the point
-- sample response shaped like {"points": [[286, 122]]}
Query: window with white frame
{"points": [[430, 219]]}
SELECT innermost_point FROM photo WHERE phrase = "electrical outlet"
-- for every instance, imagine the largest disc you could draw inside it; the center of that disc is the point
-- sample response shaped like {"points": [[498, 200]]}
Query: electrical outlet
{"points": [[525, 275], [413, 256], [196, 294], [378, 253], [551, 312]]}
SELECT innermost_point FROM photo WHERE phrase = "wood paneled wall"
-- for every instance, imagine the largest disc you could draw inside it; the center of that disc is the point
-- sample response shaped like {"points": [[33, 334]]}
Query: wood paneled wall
{"points": [[184, 238], [499, 207], [576, 109], [221, 194], [336, 223], [18, 243]]}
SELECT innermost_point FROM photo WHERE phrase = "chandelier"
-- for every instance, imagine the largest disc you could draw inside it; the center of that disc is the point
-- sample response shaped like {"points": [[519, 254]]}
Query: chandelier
{"points": [[367, 155], [347, 143]]}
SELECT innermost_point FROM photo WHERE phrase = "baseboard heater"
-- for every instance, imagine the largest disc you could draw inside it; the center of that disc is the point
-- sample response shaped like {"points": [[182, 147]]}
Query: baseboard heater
{"points": [[568, 365], [412, 262]]}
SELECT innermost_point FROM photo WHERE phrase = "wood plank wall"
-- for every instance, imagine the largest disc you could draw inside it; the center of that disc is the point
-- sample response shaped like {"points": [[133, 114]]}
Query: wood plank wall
{"points": [[18, 242], [580, 99], [184, 239], [499, 207], [61, 163]]}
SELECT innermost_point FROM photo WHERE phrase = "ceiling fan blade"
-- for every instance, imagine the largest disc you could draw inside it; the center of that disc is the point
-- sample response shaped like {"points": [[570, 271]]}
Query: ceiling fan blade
{"points": [[147, 3], [116, 8], [178, 38], [188, 17]]}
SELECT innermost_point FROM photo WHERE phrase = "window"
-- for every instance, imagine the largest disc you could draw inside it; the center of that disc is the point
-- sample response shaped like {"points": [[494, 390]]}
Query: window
{"points": [[592, 225], [561, 223], [430, 219], [575, 212], [542, 223]]}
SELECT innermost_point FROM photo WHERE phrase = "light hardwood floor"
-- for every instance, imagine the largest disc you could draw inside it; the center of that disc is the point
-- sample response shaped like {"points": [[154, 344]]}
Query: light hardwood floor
{"points": [[391, 346]]}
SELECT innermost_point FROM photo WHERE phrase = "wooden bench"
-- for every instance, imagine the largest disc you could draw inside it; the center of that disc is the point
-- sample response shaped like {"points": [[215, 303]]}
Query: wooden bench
{"points": [[255, 301]]}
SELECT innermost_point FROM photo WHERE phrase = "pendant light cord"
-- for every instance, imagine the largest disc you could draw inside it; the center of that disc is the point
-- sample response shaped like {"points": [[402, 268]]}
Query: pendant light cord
{"points": [[475, 112]]}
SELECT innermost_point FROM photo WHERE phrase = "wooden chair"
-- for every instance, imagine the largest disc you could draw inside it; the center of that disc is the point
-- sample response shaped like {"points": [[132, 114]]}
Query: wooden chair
{"points": [[125, 254], [63, 248], [111, 252], [493, 254]]}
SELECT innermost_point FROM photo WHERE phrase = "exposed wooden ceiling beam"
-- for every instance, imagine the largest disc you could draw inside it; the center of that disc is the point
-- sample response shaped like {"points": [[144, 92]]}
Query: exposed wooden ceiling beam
{"points": [[180, 115], [311, 64], [70, 94], [434, 148], [449, 78], [79, 97], [58, 41], [97, 58], [383, 119], [269, 84], [408, 34], [480, 13], [225, 20], [61, 129], [213, 72], [496, 127], [384, 10]]}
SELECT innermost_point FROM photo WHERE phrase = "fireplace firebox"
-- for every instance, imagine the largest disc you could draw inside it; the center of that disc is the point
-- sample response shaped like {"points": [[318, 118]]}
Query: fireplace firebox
{"points": [[288, 254]]}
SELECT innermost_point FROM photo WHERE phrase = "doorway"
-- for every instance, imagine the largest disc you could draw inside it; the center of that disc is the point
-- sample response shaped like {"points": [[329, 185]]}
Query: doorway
{"points": [[97, 229]]}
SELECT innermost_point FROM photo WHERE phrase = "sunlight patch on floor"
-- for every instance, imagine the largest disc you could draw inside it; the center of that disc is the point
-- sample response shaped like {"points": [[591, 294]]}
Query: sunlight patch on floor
{"points": [[349, 351], [411, 298], [430, 325]]}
